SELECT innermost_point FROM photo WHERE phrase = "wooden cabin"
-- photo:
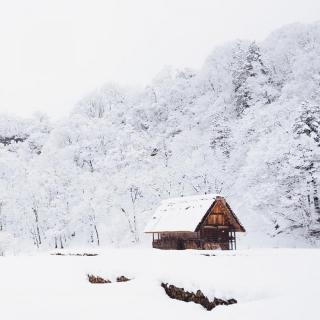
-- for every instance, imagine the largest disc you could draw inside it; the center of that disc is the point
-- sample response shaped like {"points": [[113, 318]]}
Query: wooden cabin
{"points": [[197, 222]]}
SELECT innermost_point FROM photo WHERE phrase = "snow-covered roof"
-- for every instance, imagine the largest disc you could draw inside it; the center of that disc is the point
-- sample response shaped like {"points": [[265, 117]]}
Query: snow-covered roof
{"points": [[180, 214]]}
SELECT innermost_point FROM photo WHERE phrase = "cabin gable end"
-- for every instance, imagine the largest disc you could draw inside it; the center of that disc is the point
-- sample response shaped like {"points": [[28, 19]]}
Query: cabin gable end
{"points": [[220, 215]]}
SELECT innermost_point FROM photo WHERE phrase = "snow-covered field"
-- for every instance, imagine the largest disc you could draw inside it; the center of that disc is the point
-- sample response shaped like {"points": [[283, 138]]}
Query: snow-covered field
{"points": [[268, 284]]}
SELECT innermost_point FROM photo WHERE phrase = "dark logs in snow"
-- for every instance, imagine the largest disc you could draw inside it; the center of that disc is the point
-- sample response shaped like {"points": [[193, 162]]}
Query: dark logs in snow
{"points": [[180, 294], [122, 279], [96, 279]]}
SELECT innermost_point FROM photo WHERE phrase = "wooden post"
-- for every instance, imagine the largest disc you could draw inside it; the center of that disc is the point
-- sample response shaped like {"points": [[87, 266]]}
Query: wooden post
{"points": [[232, 240]]}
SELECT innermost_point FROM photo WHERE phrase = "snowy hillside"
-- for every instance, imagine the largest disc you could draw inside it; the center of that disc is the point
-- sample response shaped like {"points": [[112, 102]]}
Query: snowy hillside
{"points": [[247, 125]]}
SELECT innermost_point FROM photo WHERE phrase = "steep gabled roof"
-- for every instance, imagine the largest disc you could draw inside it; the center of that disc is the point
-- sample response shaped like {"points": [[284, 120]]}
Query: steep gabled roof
{"points": [[183, 214], [180, 214], [235, 220]]}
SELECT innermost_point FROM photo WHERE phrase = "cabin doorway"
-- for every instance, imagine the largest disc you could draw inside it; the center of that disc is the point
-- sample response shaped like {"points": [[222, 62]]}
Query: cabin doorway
{"points": [[180, 244]]}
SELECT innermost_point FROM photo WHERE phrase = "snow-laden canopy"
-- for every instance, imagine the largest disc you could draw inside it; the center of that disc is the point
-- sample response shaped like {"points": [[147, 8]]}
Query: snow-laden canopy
{"points": [[180, 214], [247, 123]]}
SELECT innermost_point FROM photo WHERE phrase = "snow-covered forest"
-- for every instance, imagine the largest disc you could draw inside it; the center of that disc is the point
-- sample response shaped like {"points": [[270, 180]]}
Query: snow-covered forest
{"points": [[246, 125]]}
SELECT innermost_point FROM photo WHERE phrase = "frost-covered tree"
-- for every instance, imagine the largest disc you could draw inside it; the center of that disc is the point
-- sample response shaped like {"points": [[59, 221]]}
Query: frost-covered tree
{"points": [[252, 80], [307, 131]]}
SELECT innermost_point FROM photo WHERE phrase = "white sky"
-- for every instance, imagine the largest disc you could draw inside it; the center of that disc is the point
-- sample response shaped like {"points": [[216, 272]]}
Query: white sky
{"points": [[54, 52]]}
